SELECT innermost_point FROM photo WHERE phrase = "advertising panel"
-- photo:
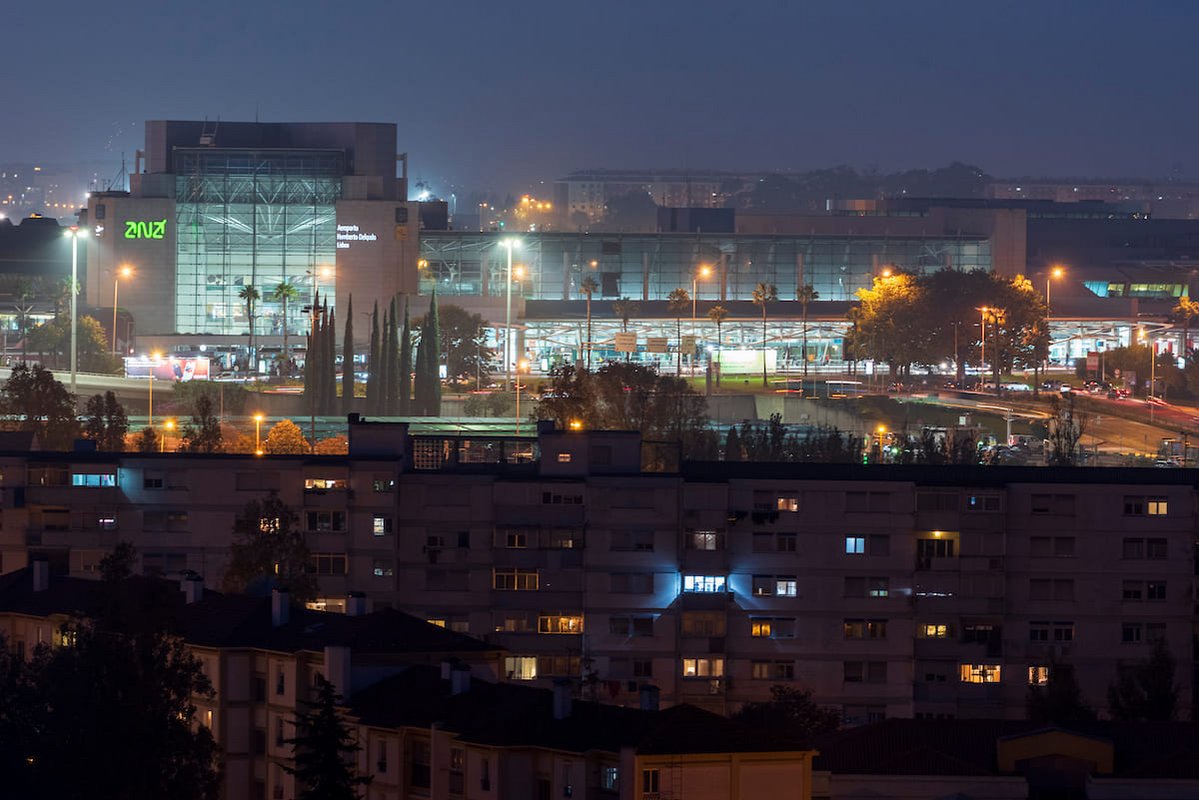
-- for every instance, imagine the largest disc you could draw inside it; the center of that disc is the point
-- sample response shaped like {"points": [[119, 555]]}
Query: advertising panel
{"points": [[182, 368]]}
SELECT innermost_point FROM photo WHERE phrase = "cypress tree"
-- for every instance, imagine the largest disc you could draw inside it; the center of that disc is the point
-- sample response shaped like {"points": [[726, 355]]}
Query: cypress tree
{"points": [[433, 324], [406, 364], [331, 363], [372, 377], [419, 389], [385, 365], [393, 365], [347, 360]]}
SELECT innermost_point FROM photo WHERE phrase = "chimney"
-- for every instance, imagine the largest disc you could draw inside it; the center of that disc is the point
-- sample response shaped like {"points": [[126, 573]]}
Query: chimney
{"points": [[355, 604], [459, 679], [649, 697], [280, 607], [562, 698], [41, 576], [193, 589], [337, 669]]}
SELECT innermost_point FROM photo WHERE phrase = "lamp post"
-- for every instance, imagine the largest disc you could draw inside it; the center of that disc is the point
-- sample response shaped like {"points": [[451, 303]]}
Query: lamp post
{"points": [[982, 358], [257, 438], [75, 233], [155, 356], [508, 244], [124, 272], [703, 272], [521, 366], [169, 425]]}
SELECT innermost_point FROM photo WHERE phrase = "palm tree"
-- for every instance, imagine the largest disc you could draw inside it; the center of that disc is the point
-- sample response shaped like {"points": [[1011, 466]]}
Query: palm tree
{"points": [[284, 293], [677, 301], [763, 294], [250, 296], [806, 294], [1186, 311], [718, 314], [588, 288], [626, 309]]}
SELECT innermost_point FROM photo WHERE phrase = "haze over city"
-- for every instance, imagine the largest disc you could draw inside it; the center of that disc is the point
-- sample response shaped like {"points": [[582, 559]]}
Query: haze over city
{"points": [[492, 96]]}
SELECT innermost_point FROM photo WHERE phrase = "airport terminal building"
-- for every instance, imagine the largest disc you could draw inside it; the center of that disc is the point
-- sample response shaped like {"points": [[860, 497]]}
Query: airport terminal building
{"points": [[216, 207]]}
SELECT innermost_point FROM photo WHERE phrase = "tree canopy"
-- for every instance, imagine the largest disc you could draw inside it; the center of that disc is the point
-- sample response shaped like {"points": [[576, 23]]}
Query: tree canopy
{"points": [[285, 438], [623, 397], [1145, 691], [790, 713], [106, 423], [203, 433], [905, 319], [53, 338], [268, 547], [323, 750], [462, 338], [42, 404]]}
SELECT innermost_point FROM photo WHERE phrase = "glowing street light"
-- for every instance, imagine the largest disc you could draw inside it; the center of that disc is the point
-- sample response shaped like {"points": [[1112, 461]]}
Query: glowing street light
{"points": [[258, 418], [170, 426], [125, 271], [521, 366], [508, 244], [704, 271], [1056, 272], [75, 233], [156, 357]]}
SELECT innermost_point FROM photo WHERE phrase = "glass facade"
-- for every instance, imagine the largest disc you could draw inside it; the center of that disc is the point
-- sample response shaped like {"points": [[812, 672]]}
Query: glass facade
{"points": [[650, 266], [256, 218]]}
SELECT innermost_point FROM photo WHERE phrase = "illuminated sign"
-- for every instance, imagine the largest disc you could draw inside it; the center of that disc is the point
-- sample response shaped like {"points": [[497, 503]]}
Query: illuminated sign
{"points": [[145, 229], [348, 234]]}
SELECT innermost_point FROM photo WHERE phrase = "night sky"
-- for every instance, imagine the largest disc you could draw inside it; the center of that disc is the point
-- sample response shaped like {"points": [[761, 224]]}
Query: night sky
{"points": [[500, 95]]}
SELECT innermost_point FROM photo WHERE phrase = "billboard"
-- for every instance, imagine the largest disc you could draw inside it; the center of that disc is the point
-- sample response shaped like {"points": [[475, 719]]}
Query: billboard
{"points": [[172, 368]]}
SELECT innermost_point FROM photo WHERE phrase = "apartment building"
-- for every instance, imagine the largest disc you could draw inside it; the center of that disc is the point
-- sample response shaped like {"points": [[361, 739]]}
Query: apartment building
{"points": [[890, 591], [426, 705]]}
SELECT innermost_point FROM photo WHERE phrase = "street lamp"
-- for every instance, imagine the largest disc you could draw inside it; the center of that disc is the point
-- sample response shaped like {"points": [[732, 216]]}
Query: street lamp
{"points": [[170, 426], [982, 358], [155, 357], [521, 366], [508, 244], [75, 233], [257, 429], [125, 271], [1056, 272], [704, 271]]}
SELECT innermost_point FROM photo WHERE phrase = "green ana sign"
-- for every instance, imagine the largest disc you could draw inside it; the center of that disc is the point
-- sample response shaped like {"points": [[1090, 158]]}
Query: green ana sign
{"points": [[143, 229]]}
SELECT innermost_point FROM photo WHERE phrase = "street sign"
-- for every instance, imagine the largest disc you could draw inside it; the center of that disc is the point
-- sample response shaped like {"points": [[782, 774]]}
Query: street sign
{"points": [[626, 343], [1092, 362], [656, 344], [687, 345]]}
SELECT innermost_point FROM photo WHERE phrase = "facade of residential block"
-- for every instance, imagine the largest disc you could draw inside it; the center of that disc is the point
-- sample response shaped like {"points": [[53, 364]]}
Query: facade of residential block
{"points": [[889, 591]]}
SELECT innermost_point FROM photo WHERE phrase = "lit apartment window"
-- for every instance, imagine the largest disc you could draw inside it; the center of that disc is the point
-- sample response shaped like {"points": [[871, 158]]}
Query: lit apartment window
{"points": [[560, 623], [785, 586], [1038, 675], [106, 522], [878, 587], [982, 502], [703, 583], [788, 503], [438, 621], [381, 484], [380, 525], [855, 545], [761, 628], [320, 484], [703, 667], [772, 628], [564, 458], [1156, 506], [93, 480], [979, 673], [935, 630], [521, 668], [610, 779], [516, 580], [383, 568], [704, 540]]}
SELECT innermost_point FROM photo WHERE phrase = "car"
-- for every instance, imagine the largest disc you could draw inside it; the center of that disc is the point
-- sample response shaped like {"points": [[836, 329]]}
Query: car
{"points": [[1065, 388]]}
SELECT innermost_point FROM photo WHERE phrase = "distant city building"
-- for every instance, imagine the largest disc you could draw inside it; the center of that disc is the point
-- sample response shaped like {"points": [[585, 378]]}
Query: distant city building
{"points": [[587, 192]]}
